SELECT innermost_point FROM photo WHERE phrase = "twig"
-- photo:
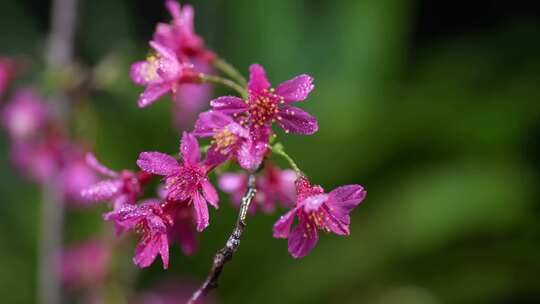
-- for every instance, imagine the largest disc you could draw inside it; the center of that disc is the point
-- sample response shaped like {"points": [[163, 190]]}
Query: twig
{"points": [[226, 82], [52, 222], [225, 254], [230, 71], [59, 53]]}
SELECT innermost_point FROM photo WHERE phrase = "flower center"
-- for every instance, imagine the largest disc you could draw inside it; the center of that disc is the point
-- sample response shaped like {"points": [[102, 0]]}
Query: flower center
{"points": [[224, 139], [183, 184], [152, 67], [262, 109]]}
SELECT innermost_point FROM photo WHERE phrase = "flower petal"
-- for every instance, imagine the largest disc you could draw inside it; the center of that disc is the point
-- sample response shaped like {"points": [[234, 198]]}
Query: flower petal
{"points": [[209, 122], [189, 148], [342, 200], [152, 93], [296, 120], [102, 191], [296, 89], [229, 105], [164, 249], [282, 227], [174, 8], [257, 79], [215, 158], [302, 239], [147, 250], [157, 163], [186, 236], [93, 163], [210, 193], [314, 202], [200, 212]]}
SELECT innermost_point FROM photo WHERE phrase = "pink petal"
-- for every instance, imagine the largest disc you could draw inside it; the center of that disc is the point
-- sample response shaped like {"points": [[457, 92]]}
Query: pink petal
{"points": [[186, 18], [257, 79], [232, 182], [296, 120], [252, 151], [283, 226], [157, 163], [189, 148], [302, 239], [342, 200], [210, 193], [209, 122], [174, 8], [164, 250], [163, 51], [287, 190], [200, 212], [102, 191], [93, 163], [313, 203], [147, 250], [152, 93], [229, 105], [296, 89], [215, 158], [186, 236], [139, 71]]}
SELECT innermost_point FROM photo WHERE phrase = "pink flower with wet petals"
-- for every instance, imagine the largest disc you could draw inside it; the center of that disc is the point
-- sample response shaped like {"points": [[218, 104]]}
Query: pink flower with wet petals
{"points": [[315, 211], [152, 222], [180, 34], [229, 140], [160, 73], [273, 186], [25, 114], [266, 105], [120, 188], [186, 182]]}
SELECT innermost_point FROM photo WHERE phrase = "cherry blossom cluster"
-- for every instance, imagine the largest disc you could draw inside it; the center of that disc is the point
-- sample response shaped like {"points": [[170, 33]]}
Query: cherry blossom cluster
{"points": [[239, 130]]}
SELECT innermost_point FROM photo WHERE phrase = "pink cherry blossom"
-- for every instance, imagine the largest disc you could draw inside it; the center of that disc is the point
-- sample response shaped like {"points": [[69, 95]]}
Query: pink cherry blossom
{"points": [[186, 182], [180, 34], [119, 187], [160, 73], [317, 210], [152, 222], [266, 105], [273, 185]]}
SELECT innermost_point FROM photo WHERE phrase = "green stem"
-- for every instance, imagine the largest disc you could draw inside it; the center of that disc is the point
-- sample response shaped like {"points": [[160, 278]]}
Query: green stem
{"points": [[226, 82], [280, 150], [230, 71]]}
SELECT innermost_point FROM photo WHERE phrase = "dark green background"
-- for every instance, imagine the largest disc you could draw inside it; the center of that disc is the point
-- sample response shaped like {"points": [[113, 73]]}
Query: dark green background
{"points": [[434, 108]]}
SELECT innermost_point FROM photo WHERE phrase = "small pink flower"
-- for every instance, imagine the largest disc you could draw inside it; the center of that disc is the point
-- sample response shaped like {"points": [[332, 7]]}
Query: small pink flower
{"points": [[273, 186], [120, 188], [184, 182], [7, 73], [180, 35], [25, 114], [160, 73], [152, 222], [266, 105], [85, 265], [317, 211]]}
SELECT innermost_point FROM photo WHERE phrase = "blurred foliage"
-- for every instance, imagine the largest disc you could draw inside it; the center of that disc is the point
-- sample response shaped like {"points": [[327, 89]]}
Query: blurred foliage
{"points": [[444, 134]]}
